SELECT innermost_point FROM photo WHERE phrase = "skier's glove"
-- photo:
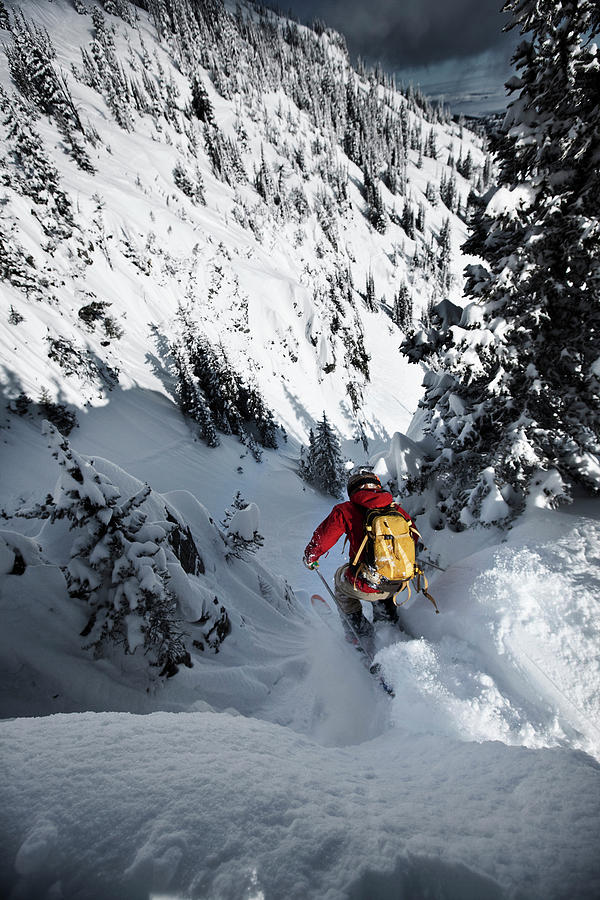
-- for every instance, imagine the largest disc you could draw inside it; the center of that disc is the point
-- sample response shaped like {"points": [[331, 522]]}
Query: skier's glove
{"points": [[311, 565]]}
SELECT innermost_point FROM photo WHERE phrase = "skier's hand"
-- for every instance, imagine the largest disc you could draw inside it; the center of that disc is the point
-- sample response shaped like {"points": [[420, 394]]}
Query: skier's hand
{"points": [[311, 565]]}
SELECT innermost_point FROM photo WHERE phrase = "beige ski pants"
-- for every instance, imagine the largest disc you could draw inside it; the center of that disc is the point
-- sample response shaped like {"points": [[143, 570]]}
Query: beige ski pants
{"points": [[348, 597]]}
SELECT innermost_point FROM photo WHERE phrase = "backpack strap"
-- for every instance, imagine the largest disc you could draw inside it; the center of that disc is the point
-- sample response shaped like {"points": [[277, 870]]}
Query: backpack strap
{"points": [[405, 587], [361, 548], [423, 589], [414, 532]]}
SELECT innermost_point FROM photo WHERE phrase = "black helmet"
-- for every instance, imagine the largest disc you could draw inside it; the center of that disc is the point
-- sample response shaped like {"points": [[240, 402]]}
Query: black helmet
{"points": [[360, 477]]}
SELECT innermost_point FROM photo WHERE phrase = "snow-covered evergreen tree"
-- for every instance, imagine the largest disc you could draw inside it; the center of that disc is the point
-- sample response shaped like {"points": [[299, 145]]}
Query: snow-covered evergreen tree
{"points": [[191, 185], [444, 255], [212, 393], [375, 207], [200, 102], [402, 312], [192, 400], [448, 190], [17, 267], [118, 563], [30, 58], [323, 465], [408, 219], [31, 173], [370, 298], [103, 71], [4, 17], [513, 397]]}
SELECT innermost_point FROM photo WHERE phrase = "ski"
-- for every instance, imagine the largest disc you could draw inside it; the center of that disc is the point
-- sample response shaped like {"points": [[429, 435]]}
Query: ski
{"points": [[322, 606]]}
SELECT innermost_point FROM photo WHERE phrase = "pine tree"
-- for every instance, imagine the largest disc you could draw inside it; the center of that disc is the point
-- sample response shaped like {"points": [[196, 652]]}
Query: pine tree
{"points": [[431, 145], [212, 393], [448, 191], [58, 414], [324, 464], [14, 316], [408, 220], [17, 267], [375, 208], [118, 563], [402, 312], [192, 401], [224, 156], [513, 396], [465, 166], [305, 467], [4, 17], [192, 186], [264, 179], [200, 102], [30, 60], [104, 72], [254, 412], [430, 194], [444, 255], [370, 298], [34, 174]]}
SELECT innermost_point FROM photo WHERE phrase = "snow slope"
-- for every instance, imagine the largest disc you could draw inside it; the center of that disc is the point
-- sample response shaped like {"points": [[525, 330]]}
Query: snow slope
{"points": [[465, 784], [144, 247], [277, 767]]}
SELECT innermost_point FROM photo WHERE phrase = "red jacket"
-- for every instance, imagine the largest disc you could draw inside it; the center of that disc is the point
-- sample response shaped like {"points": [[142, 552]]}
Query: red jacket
{"points": [[349, 518]]}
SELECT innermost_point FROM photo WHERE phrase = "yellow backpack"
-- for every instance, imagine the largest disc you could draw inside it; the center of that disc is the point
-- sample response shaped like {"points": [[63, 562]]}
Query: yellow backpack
{"points": [[390, 561]]}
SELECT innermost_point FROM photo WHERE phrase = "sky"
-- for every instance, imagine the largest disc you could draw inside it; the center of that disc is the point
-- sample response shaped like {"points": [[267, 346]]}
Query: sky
{"points": [[454, 49]]}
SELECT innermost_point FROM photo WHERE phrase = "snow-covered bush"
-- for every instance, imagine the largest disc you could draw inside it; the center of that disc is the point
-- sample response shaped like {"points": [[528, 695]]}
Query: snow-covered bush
{"points": [[191, 185], [75, 361], [95, 311], [241, 522]]}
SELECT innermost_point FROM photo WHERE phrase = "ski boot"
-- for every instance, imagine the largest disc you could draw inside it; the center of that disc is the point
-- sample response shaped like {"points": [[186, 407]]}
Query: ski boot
{"points": [[360, 624], [385, 611]]}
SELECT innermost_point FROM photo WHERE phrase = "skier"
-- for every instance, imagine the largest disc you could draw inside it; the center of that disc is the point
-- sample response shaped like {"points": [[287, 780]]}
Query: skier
{"points": [[351, 586]]}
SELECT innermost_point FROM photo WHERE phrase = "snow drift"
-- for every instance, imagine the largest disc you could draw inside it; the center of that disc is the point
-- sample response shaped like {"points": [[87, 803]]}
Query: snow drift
{"points": [[205, 805]]}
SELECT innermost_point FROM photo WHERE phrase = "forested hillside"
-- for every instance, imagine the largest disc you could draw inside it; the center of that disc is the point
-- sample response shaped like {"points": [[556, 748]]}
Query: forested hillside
{"points": [[205, 184]]}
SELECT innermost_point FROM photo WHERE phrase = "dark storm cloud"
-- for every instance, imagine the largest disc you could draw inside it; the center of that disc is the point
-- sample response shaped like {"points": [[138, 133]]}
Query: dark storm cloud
{"points": [[404, 33]]}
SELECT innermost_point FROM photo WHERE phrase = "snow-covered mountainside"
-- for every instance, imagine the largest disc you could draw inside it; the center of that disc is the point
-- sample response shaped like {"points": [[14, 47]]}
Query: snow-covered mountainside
{"points": [[238, 210], [214, 235]]}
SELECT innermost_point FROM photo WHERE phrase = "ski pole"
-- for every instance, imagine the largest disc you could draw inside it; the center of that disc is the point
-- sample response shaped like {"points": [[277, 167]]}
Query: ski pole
{"points": [[427, 562], [331, 594], [347, 620]]}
